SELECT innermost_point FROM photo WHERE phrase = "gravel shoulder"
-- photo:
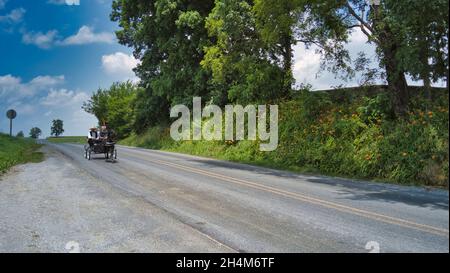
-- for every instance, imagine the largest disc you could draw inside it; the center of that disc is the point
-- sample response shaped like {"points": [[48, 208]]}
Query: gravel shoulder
{"points": [[53, 206]]}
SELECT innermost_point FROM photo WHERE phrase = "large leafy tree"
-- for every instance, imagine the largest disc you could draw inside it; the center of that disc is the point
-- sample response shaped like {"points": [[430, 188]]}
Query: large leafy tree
{"points": [[168, 37], [116, 106], [372, 19], [407, 34], [35, 132], [57, 128], [97, 105], [424, 49], [253, 53], [240, 63]]}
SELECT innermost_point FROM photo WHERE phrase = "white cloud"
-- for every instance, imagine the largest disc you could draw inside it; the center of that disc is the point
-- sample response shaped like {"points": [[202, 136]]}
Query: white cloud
{"points": [[39, 39], [86, 35], [13, 89], [64, 98], [42, 99], [45, 81], [23, 108], [120, 64], [307, 63], [64, 2], [14, 16]]}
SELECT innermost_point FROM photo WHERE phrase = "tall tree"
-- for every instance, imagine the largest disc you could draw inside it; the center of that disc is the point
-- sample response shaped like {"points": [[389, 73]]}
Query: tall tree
{"points": [[168, 37], [116, 106], [242, 69], [97, 105], [407, 34], [35, 132], [253, 51], [424, 51], [372, 18], [57, 128]]}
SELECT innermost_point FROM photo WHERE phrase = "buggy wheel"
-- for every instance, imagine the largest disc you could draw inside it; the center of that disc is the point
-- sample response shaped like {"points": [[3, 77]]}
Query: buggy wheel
{"points": [[89, 154], [111, 155], [115, 154]]}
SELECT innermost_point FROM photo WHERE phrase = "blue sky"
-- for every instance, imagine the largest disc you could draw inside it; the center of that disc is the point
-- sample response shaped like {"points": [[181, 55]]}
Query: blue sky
{"points": [[54, 55]]}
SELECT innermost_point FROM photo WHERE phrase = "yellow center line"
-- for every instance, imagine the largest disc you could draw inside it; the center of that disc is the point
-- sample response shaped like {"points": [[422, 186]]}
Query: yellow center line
{"points": [[312, 200]]}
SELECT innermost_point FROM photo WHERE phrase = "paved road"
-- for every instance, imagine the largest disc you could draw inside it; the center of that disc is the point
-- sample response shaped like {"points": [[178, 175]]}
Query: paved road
{"points": [[239, 208]]}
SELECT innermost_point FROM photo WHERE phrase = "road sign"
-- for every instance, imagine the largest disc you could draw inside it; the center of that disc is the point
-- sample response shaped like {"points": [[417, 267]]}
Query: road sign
{"points": [[11, 114]]}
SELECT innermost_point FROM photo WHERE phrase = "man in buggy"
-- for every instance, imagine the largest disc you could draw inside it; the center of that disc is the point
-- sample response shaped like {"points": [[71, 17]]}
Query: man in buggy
{"points": [[92, 136], [101, 142], [107, 134]]}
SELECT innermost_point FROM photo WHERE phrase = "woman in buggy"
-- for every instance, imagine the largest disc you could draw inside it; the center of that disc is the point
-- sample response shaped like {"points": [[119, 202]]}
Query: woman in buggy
{"points": [[102, 142]]}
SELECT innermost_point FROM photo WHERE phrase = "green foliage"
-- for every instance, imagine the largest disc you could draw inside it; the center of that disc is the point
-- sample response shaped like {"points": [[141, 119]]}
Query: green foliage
{"points": [[98, 105], [15, 151], [57, 128], [241, 51], [424, 28], [116, 106], [354, 138], [35, 132], [168, 37], [375, 109], [20, 134]]}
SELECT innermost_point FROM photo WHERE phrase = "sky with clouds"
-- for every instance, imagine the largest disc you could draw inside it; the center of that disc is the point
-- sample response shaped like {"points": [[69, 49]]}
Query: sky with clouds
{"points": [[55, 53], [53, 56]]}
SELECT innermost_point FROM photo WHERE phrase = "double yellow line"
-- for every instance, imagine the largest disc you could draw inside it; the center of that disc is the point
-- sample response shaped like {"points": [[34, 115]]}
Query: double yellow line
{"points": [[309, 199]]}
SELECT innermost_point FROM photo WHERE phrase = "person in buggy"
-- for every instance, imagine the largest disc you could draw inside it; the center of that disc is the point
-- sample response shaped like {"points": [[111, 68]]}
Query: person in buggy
{"points": [[93, 136], [106, 134], [101, 142]]}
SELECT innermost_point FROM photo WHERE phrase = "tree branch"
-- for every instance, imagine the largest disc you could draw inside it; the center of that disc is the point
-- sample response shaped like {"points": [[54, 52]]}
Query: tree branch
{"points": [[359, 18]]}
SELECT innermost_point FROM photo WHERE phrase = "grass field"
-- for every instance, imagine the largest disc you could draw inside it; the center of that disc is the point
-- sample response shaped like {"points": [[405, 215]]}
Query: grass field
{"points": [[68, 139], [15, 151]]}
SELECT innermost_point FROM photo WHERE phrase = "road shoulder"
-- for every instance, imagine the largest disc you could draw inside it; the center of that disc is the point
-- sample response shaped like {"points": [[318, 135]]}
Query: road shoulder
{"points": [[52, 205]]}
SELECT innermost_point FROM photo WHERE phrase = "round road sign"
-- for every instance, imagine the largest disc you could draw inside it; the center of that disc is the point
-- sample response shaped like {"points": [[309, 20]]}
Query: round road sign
{"points": [[11, 114]]}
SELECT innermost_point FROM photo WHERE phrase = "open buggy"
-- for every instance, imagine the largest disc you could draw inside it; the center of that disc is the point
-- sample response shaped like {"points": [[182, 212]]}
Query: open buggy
{"points": [[105, 146]]}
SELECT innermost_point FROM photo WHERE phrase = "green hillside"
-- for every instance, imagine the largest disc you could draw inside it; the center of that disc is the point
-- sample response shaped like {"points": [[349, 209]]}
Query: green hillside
{"points": [[345, 133], [15, 151]]}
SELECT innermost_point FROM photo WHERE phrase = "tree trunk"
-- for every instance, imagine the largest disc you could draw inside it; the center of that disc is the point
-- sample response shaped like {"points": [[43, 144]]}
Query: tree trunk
{"points": [[395, 75], [287, 65], [397, 83], [427, 86], [425, 74]]}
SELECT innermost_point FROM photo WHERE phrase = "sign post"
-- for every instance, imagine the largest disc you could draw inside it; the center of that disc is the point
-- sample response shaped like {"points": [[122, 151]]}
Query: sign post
{"points": [[11, 114]]}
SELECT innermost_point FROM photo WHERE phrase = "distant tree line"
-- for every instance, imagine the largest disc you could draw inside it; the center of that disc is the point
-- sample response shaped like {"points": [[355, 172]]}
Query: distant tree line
{"points": [[241, 51]]}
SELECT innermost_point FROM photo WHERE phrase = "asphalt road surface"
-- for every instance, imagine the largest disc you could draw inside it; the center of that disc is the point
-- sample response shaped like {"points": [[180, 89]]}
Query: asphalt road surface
{"points": [[152, 201]]}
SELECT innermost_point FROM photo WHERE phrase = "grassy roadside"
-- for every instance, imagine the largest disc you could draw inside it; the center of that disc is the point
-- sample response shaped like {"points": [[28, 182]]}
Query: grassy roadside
{"points": [[339, 135], [68, 139], [14, 151]]}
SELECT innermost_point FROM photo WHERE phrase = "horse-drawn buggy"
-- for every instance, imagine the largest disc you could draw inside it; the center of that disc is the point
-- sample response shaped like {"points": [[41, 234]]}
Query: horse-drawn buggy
{"points": [[103, 147], [103, 142]]}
